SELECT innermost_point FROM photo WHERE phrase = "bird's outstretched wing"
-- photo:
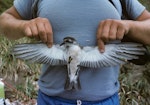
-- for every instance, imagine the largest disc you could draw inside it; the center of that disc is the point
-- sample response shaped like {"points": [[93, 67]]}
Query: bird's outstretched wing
{"points": [[40, 53], [114, 54]]}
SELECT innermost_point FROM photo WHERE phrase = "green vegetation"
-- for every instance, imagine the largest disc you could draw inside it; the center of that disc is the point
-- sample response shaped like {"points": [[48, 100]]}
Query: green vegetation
{"points": [[134, 80], [146, 3], [4, 4]]}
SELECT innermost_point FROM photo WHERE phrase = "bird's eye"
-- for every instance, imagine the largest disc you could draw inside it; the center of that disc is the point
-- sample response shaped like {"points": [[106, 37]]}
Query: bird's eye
{"points": [[65, 40], [70, 40]]}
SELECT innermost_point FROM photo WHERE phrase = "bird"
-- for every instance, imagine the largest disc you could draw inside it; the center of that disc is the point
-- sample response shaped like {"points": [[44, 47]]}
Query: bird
{"points": [[71, 54]]}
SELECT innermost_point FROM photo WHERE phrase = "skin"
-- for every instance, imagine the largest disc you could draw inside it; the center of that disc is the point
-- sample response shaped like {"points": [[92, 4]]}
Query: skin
{"points": [[14, 27], [39, 28], [138, 30]]}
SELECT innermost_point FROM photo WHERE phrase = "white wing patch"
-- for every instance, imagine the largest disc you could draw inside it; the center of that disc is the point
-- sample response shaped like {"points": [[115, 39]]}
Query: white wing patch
{"points": [[115, 54], [40, 53]]}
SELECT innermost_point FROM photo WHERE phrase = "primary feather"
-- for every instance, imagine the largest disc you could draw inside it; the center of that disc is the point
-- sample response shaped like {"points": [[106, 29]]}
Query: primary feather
{"points": [[40, 53], [114, 54]]}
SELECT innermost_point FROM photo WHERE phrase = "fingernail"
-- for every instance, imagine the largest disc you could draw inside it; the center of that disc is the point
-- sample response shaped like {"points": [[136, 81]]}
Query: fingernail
{"points": [[49, 45], [101, 50]]}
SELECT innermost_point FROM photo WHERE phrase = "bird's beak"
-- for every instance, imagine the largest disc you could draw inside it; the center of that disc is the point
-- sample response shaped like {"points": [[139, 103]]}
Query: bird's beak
{"points": [[62, 43]]}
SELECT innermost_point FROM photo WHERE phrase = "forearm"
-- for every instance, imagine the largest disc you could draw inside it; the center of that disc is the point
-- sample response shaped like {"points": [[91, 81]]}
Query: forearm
{"points": [[10, 26], [140, 31]]}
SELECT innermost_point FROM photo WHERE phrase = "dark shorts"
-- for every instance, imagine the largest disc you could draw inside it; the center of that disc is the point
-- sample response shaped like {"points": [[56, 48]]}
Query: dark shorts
{"points": [[49, 100]]}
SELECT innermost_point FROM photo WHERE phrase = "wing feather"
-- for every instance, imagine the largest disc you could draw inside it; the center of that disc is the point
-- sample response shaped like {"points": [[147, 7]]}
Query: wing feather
{"points": [[115, 54], [40, 53]]}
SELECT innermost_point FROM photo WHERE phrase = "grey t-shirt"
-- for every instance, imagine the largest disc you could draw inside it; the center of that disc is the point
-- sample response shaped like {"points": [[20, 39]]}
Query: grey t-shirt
{"points": [[79, 19]]}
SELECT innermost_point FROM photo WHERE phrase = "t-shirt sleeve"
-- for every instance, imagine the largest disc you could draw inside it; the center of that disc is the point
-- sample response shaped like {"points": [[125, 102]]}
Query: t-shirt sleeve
{"points": [[134, 8], [24, 8]]}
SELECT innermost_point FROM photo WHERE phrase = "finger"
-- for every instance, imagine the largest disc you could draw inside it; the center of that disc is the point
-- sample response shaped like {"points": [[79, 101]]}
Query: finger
{"points": [[50, 41], [49, 34], [113, 32], [34, 30], [99, 30], [37, 38], [105, 31], [101, 46], [42, 32], [28, 32], [120, 33]]}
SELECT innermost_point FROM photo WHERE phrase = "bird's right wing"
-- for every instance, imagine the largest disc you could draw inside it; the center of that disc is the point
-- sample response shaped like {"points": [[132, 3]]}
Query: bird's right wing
{"points": [[40, 53], [115, 54]]}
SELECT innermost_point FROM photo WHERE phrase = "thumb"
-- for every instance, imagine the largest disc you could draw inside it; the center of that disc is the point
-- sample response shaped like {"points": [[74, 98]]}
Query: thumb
{"points": [[101, 46]]}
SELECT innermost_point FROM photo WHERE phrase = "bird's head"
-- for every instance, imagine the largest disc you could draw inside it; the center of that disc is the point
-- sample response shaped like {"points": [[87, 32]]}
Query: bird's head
{"points": [[69, 41]]}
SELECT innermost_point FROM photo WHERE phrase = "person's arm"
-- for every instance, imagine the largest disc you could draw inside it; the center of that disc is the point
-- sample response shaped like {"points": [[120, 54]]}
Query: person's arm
{"points": [[14, 27], [138, 30]]}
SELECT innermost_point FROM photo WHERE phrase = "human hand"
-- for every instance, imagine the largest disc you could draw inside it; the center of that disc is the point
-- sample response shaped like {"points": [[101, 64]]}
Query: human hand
{"points": [[109, 30], [38, 28]]}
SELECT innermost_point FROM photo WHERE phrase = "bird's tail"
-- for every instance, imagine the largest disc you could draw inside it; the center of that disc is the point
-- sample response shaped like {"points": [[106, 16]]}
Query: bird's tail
{"points": [[72, 85]]}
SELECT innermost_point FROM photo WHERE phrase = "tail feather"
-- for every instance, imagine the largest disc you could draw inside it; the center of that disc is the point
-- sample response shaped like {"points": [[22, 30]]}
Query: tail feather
{"points": [[72, 85]]}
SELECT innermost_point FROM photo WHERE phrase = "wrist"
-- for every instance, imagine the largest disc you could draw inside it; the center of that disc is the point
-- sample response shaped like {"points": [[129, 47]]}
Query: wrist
{"points": [[21, 27], [128, 26]]}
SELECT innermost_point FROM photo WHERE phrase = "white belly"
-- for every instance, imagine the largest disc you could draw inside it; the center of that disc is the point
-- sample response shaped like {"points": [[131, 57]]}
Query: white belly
{"points": [[73, 58]]}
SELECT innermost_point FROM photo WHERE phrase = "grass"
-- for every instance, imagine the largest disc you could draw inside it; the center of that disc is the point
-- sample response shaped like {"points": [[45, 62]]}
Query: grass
{"points": [[135, 85], [22, 74], [5, 4], [134, 80]]}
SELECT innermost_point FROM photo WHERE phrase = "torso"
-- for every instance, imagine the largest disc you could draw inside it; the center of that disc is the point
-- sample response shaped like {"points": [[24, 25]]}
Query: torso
{"points": [[77, 18]]}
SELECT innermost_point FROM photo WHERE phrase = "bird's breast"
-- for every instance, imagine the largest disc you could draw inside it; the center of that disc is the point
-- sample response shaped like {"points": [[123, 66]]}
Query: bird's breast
{"points": [[73, 54]]}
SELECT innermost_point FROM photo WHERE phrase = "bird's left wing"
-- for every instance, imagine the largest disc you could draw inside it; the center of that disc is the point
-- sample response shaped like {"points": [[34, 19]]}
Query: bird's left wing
{"points": [[40, 53], [115, 54]]}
